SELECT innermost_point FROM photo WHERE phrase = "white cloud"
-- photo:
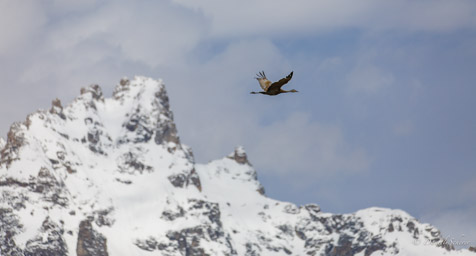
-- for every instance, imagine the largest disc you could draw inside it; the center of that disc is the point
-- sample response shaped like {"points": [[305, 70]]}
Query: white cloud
{"points": [[368, 79], [282, 18], [20, 22], [145, 31], [330, 63], [300, 145]]}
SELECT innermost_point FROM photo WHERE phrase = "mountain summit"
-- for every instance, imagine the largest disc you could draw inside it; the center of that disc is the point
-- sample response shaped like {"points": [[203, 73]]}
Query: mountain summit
{"points": [[109, 176]]}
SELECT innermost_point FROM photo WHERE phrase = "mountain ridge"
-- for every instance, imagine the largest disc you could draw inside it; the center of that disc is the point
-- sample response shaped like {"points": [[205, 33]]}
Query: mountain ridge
{"points": [[110, 176]]}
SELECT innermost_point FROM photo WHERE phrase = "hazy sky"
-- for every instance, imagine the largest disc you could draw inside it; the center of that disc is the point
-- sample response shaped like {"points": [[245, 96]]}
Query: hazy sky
{"points": [[385, 114]]}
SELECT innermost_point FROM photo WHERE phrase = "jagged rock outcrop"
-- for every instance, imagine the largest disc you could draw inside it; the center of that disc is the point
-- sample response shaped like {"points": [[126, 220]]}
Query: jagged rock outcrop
{"points": [[48, 242], [109, 176], [90, 242]]}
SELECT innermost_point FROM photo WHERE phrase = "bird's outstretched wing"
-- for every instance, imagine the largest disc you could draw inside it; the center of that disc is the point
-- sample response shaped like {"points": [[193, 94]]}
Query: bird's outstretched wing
{"points": [[263, 81], [278, 84]]}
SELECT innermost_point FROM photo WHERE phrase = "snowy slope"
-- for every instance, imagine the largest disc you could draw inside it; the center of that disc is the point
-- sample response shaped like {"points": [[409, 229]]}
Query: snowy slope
{"points": [[109, 176]]}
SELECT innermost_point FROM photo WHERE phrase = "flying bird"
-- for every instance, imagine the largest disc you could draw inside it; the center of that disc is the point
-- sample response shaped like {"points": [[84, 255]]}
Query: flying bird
{"points": [[272, 88]]}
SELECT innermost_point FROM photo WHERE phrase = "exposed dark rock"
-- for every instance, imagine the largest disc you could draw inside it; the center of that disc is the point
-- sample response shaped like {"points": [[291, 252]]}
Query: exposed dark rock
{"points": [[291, 209], [178, 180], [90, 242], [61, 155], [286, 229], [353, 238], [68, 168], [138, 124], [163, 99], [313, 210], [343, 248], [53, 245], [124, 84], [102, 217], [182, 180], [127, 182], [239, 155], [45, 181], [172, 215], [261, 190], [212, 210], [166, 132], [54, 161], [130, 163], [52, 190], [93, 137], [13, 182], [15, 140], [149, 244], [187, 241], [195, 179], [412, 229], [390, 227], [287, 251], [66, 136], [376, 244], [124, 81], [15, 199], [252, 249], [300, 234], [95, 90], [9, 228], [411, 226], [267, 243], [57, 108]]}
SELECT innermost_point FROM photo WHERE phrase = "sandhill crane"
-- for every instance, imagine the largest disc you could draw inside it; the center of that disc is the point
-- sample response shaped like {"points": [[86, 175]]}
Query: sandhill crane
{"points": [[272, 88]]}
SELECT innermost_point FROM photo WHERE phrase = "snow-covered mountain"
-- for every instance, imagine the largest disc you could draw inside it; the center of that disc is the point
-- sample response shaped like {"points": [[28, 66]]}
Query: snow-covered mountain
{"points": [[109, 176]]}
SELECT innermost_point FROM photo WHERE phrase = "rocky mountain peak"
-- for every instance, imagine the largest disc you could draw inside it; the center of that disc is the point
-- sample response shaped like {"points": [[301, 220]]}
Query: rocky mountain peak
{"points": [[109, 176], [141, 110], [94, 92], [15, 140], [138, 112], [239, 155]]}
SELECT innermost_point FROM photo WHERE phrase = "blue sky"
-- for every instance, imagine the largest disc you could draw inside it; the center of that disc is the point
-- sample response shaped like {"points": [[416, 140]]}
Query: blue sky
{"points": [[385, 110]]}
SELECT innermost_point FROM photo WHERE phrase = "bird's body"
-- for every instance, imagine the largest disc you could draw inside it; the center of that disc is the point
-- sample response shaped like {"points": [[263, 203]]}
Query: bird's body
{"points": [[272, 89]]}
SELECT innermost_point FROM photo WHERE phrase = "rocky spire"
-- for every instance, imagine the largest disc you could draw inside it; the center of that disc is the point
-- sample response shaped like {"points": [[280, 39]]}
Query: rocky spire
{"points": [[15, 140], [239, 155], [148, 115]]}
